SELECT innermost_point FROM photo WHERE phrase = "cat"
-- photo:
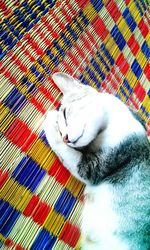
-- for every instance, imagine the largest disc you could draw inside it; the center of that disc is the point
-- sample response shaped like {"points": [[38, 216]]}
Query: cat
{"points": [[104, 145]]}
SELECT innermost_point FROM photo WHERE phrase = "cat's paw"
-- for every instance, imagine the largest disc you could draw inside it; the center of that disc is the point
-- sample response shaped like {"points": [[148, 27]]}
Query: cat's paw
{"points": [[51, 129]]}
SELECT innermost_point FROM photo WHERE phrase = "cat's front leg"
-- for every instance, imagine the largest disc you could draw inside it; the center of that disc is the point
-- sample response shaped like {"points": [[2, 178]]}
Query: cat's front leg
{"points": [[67, 155]]}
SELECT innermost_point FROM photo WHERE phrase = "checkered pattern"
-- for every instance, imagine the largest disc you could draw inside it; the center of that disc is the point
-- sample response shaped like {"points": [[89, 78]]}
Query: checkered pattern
{"points": [[104, 43]]}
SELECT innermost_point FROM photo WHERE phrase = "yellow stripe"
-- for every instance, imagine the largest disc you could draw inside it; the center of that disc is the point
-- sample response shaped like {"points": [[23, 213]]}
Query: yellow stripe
{"points": [[24, 201], [7, 189], [18, 196], [131, 78], [143, 116], [6, 117], [89, 12], [124, 28], [74, 186], [90, 81], [42, 154], [147, 38], [134, 11], [102, 67], [140, 57], [54, 222], [146, 103], [112, 47], [32, 78], [2, 238], [122, 96]]}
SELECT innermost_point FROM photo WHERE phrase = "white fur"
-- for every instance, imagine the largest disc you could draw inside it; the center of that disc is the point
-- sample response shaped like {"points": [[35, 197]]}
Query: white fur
{"points": [[120, 123], [100, 222], [91, 111], [88, 112], [69, 156]]}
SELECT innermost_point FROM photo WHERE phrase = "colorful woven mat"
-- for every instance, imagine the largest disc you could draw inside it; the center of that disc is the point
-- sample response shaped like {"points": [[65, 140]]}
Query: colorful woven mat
{"points": [[104, 43]]}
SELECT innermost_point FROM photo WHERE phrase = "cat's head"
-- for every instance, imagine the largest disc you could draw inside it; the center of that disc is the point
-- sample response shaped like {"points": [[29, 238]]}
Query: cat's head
{"points": [[79, 115]]}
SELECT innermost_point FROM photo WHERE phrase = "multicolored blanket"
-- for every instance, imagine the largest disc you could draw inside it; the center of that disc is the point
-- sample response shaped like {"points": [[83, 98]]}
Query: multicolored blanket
{"points": [[104, 43]]}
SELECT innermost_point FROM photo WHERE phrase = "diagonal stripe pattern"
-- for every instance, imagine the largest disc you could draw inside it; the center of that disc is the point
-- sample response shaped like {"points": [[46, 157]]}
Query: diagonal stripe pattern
{"points": [[103, 43]]}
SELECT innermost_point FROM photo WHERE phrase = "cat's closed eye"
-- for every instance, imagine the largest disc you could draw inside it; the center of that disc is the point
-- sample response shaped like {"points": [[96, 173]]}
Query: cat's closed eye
{"points": [[64, 112]]}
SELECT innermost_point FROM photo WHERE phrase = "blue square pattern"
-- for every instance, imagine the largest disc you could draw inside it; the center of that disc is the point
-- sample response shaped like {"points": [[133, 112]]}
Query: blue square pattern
{"points": [[28, 173], [127, 86], [43, 241], [14, 100], [65, 203], [118, 37], [136, 68], [97, 4], [129, 19], [107, 54], [145, 49], [8, 218], [124, 93]]}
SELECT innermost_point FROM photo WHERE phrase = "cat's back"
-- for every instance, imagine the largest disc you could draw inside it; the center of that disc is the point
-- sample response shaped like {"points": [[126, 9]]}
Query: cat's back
{"points": [[118, 216], [132, 205], [117, 212]]}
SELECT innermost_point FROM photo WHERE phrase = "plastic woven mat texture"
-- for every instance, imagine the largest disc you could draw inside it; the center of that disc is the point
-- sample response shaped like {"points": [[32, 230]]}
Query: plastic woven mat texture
{"points": [[104, 43]]}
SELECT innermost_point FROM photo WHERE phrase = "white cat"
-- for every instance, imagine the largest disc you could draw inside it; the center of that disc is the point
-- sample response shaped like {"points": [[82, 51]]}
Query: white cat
{"points": [[104, 145]]}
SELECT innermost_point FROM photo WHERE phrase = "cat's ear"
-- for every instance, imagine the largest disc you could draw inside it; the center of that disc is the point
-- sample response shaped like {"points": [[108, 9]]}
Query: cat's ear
{"points": [[65, 82]]}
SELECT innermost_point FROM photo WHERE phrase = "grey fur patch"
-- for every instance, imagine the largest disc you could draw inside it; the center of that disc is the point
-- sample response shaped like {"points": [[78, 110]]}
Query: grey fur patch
{"points": [[115, 162], [127, 169]]}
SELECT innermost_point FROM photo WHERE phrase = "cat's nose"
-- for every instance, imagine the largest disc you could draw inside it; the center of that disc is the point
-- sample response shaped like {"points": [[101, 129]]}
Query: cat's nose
{"points": [[66, 139]]}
